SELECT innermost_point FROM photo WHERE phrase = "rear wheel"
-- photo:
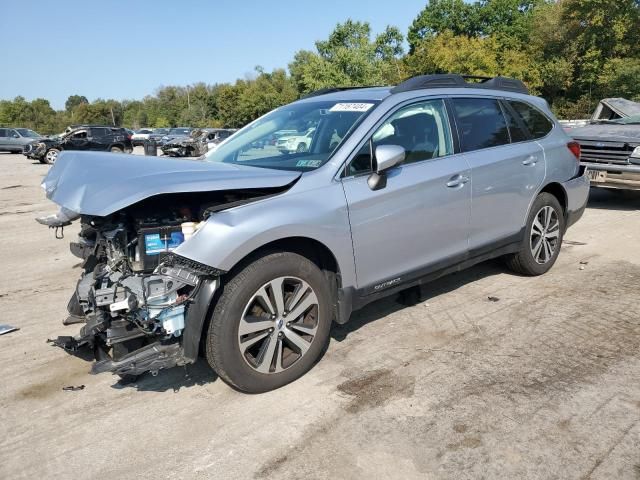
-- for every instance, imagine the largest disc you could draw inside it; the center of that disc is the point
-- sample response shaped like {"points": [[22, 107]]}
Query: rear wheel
{"points": [[271, 323], [51, 156], [543, 237]]}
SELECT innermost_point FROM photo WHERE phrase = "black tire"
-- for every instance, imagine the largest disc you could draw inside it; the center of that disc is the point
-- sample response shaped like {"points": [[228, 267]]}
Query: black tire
{"points": [[116, 150], [523, 262], [222, 349], [51, 156]]}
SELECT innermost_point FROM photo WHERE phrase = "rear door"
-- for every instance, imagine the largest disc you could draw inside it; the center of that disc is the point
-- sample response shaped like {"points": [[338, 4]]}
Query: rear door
{"points": [[98, 139], [420, 219], [13, 140], [507, 167]]}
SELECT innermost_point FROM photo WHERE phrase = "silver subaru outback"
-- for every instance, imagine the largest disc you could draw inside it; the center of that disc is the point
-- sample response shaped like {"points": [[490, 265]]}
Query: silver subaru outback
{"points": [[249, 253]]}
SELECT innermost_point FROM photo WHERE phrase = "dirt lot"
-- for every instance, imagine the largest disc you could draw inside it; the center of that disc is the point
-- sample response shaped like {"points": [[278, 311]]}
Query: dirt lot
{"points": [[544, 383]]}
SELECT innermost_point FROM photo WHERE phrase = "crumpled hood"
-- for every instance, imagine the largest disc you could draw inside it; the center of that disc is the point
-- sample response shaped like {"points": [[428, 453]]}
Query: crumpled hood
{"points": [[99, 183], [45, 140], [607, 132], [180, 140]]}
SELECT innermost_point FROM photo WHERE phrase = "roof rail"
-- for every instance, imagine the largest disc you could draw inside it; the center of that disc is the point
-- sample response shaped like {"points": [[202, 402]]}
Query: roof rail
{"points": [[324, 91], [460, 81]]}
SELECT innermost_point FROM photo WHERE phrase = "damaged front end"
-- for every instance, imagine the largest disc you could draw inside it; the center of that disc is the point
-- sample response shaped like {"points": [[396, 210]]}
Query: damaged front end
{"points": [[36, 150], [194, 145], [135, 295], [141, 300]]}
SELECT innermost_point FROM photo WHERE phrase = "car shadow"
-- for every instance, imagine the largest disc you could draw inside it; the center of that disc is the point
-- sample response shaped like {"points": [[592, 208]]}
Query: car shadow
{"points": [[413, 296], [175, 379], [614, 199], [200, 373]]}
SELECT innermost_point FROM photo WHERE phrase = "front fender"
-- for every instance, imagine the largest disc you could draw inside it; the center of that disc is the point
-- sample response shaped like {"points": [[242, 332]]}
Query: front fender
{"points": [[319, 214]]}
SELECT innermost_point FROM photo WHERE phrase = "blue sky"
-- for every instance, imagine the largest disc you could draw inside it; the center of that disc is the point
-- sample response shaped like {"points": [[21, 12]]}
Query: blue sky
{"points": [[127, 49]]}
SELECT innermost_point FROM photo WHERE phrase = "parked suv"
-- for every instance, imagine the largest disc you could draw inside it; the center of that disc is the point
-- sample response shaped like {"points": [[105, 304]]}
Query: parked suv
{"points": [[14, 139], [253, 253], [98, 138]]}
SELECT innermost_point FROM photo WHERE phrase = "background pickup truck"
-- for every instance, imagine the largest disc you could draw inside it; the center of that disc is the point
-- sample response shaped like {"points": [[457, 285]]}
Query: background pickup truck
{"points": [[610, 144]]}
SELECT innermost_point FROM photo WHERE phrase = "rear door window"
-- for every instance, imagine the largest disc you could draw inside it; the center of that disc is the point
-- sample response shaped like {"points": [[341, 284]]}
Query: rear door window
{"points": [[537, 123], [481, 123], [98, 132], [3, 132]]}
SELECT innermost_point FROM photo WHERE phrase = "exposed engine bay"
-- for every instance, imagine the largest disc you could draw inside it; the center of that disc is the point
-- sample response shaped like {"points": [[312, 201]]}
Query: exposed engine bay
{"points": [[143, 307]]}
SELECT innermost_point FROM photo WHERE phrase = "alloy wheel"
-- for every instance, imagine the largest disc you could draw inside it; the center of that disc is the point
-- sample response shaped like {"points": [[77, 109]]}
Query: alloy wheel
{"points": [[51, 156], [278, 325], [545, 235]]}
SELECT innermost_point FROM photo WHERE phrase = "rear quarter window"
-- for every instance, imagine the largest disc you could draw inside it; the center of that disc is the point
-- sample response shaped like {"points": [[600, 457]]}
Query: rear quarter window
{"points": [[516, 128], [481, 123], [536, 121]]}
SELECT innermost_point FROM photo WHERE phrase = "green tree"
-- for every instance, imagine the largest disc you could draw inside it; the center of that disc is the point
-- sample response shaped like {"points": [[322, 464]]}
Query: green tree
{"points": [[455, 16], [349, 57], [450, 53], [73, 101]]}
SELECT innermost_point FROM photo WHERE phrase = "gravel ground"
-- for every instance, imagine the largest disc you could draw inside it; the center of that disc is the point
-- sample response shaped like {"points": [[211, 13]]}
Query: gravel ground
{"points": [[543, 383]]}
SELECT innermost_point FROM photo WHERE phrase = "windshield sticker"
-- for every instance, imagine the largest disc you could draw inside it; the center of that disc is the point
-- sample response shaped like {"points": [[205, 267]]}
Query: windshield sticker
{"points": [[351, 107], [309, 163]]}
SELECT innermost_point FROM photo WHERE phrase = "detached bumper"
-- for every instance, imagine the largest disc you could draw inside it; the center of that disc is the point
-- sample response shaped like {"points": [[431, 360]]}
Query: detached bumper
{"points": [[614, 176], [577, 196]]}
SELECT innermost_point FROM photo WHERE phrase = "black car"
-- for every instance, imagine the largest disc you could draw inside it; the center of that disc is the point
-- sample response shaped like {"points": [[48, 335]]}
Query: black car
{"points": [[97, 138]]}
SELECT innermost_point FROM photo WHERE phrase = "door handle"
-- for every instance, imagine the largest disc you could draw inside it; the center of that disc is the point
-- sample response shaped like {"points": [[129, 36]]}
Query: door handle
{"points": [[531, 160], [457, 181]]}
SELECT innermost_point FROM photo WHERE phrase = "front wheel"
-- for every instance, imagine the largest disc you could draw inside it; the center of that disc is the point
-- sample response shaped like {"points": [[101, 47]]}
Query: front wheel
{"points": [[51, 156], [543, 237], [116, 150], [271, 323]]}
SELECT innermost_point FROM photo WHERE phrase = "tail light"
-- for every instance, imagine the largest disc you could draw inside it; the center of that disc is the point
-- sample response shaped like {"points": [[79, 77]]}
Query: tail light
{"points": [[575, 149]]}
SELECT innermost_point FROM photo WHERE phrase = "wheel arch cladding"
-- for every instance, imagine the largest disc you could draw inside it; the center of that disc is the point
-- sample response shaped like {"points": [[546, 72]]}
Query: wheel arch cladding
{"points": [[310, 248], [557, 191]]}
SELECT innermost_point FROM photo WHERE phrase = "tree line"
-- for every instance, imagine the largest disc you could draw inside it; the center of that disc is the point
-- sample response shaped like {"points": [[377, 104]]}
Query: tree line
{"points": [[571, 52]]}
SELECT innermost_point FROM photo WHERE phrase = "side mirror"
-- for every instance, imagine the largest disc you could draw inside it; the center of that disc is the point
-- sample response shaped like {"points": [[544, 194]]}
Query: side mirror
{"points": [[387, 156], [15, 135]]}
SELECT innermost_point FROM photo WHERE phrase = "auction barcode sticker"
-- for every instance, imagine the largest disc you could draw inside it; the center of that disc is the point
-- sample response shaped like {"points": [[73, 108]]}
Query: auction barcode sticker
{"points": [[351, 107]]}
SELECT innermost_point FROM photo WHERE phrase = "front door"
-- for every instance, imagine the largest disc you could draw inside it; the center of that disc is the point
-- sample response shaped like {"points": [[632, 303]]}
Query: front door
{"points": [[77, 141], [420, 219]]}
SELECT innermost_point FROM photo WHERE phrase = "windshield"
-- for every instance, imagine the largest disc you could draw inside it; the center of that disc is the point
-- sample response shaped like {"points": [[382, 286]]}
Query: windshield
{"points": [[180, 131], [25, 132], [300, 136], [632, 120]]}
